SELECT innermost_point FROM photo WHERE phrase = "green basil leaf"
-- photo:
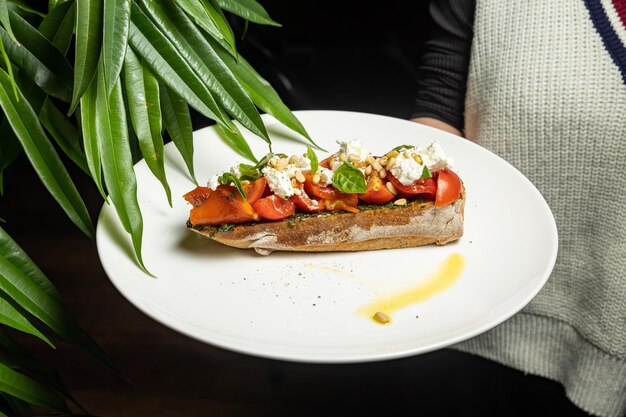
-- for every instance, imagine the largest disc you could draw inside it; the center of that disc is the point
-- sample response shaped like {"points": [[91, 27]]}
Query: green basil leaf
{"points": [[349, 179], [313, 157], [264, 160], [227, 178], [249, 172], [426, 173]]}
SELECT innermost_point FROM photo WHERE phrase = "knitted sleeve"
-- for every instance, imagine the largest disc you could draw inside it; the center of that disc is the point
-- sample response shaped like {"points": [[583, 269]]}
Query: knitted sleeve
{"points": [[444, 63]]}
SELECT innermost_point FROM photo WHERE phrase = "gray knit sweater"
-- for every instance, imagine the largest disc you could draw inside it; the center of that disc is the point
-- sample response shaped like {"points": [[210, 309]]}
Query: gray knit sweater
{"points": [[547, 92]]}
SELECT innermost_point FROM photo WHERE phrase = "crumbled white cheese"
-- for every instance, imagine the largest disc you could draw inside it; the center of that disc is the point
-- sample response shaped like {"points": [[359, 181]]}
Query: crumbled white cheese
{"points": [[353, 148], [302, 163], [279, 182], [213, 182], [326, 177], [434, 157], [235, 171], [406, 169]]}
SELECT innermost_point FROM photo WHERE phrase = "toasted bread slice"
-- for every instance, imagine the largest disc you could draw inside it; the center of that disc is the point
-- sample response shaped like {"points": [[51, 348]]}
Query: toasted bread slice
{"points": [[385, 227]]}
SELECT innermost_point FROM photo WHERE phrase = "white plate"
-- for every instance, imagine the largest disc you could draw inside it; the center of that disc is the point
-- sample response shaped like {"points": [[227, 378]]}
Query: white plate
{"points": [[302, 307]]}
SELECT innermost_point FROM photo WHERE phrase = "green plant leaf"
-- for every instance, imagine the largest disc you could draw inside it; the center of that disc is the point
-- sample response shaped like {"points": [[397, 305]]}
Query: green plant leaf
{"points": [[177, 122], [196, 51], [17, 257], [20, 360], [43, 156], [87, 47], [349, 179], [27, 389], [426, 173], [90, 136], [9, 316], [259, 90], [64, 133], [313, 158], [7, 63], [248, 9], [218, 18], [24, 7], [38, 59], [142, 93], [169, 66], [115, 38], [10, 147], [237, 142], [196, 10], [117, 161], [58, 25], [5, 20], [228, 178]]}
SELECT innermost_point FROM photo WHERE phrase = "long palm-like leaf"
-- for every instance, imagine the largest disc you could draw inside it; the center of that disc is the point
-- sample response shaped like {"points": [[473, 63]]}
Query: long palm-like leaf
{"points": [[185, 36], [42, 155], [196, 11], [35, 55], [248, 9], [58, 25], [237, 142], [117, 161], [27, 389], [259, 90], [64, 133], [115, 38], [90, 136], [87, 48], [142, 91], [177, 122], [170, 67], [11, 317], [217, 16]]}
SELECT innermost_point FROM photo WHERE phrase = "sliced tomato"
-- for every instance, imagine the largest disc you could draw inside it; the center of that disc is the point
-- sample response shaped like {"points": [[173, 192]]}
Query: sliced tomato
{"points": [[255, 189], [425, 187], [448, 187], [377, 192], [274, 208], [197, 196], [224, 205], [305, 203], [321, 192]]}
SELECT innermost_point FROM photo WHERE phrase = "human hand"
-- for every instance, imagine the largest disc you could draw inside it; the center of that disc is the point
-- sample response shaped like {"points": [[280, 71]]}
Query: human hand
{"points": [[438, 124]]}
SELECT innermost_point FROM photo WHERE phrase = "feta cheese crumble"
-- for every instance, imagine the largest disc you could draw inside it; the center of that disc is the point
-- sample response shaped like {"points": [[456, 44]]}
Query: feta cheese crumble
{"points": [[434, 157], [406, 169]]}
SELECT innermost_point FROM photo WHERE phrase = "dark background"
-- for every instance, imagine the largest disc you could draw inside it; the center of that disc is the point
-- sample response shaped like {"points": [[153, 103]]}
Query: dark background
{"points": [[328, 55]]}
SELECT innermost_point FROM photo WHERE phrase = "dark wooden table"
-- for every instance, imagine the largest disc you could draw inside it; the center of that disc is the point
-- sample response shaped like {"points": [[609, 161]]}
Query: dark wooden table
{"points": [[178, 376]]}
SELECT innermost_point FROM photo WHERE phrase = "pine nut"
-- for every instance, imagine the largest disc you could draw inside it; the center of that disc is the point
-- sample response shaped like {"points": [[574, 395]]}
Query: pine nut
{"points": [[400, 202], [272, 163], [392, 154], [297, 191], [382, 173], [391, 188], [381, 317], [391, 163], [293, 159], [299, 177], [294, 183], [417, 158], [368, 170], [342, 157], [354, 158], [316, 178], [383, 161], [370, 160], [376, 165], [245, 182]]}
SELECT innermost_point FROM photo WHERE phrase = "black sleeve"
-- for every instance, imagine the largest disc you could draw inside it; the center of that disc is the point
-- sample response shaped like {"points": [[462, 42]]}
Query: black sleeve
{"points": [[445, 60]]}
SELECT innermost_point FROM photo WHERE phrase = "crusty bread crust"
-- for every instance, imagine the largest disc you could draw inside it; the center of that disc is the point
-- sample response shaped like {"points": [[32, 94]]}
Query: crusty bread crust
{"points": [[416, 224]]}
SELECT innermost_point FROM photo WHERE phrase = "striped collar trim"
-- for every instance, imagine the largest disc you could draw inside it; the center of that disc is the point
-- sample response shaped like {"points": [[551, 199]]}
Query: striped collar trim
{"points": [[609, 19]]}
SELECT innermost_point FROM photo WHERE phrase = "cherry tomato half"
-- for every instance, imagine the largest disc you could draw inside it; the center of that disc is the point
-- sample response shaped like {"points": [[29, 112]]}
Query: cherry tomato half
{"points": [[255, 189], [274, 208], [377, 192], [305, 203], [448, 187], [425, 187]]}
